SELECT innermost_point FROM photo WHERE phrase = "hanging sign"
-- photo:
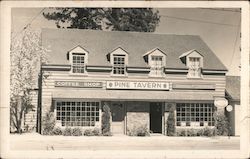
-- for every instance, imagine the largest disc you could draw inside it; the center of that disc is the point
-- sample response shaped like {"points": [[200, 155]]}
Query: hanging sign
{"points": [[137, 85], [220, 102], [77, 84], [229, 108]]}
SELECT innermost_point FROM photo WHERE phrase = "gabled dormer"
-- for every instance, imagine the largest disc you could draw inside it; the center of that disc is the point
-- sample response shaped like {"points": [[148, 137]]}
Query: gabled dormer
{"points": [[194, 62], [156, 59], [118, 58], [78, 58]]}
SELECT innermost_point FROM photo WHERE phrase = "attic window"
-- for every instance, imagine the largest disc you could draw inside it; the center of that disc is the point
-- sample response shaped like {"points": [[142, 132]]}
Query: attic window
{"points": [[78, 58], [156, 59], [194, 68], [119, 64], [119, 61], [156, 66], [78, 63], [194, 62]]}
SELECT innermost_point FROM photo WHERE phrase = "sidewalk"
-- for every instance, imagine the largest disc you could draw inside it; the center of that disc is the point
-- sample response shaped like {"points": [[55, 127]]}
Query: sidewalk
{"points": [[40, 142]]}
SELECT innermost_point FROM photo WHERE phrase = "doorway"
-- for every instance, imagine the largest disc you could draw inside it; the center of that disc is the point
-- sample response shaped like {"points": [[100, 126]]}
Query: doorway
{"points": [[156, 117], [117, 114]]}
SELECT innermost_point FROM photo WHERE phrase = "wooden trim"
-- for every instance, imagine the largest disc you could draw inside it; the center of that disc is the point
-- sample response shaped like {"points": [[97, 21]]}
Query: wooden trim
{"points": [[56, 67], [138, 69], [188, 86], [99, 68]]}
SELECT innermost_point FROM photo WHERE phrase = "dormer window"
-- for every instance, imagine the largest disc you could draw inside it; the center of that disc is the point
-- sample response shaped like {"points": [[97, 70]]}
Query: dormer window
{"points": [[194, 68], [78, 58], [156, 59], [156, 66], [119, 60], [194, 62], [78, 63], [119, 66]]}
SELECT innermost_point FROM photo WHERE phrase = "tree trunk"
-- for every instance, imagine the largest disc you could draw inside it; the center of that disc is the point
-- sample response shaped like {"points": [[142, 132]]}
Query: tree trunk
{"points": [[19, 114]]}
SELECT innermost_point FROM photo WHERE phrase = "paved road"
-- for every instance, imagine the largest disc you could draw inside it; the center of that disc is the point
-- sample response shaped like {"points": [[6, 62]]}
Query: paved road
{"points": [[38, 142]]}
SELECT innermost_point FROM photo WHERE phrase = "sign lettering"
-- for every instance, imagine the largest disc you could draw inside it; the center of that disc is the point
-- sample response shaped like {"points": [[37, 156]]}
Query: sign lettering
{"points": [[137, 85], [78, 84]]}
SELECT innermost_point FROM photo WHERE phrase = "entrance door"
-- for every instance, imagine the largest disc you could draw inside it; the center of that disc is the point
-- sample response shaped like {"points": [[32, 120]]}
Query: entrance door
{"points": [[156, 117], [117, 113]]}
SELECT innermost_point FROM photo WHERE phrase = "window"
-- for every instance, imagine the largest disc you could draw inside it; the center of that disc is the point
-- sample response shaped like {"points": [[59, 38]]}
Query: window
{"points": [[195, 114], [119, 66], [78, 63], [194, 67], [156, 66], [77, 113]]}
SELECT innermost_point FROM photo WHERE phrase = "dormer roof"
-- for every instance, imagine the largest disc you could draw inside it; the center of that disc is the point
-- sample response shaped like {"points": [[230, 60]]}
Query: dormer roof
{"points": [[100, 43]]}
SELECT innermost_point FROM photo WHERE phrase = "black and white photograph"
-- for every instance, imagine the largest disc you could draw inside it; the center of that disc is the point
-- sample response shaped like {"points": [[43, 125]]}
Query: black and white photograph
{"points": [[114, 81]]}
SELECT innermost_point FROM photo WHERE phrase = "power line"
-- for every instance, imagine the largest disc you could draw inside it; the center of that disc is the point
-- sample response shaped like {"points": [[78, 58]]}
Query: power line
{"points": [[238, 32], [200, 21], [235, 10], [28, 24]]}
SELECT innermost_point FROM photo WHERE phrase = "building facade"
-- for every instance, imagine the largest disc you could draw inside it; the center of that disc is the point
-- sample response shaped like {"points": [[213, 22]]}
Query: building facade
{"points": [[233, 97], [140, 76]]}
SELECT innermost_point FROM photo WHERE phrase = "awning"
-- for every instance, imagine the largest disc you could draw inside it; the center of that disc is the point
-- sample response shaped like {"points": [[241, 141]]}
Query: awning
{"points": [[134, 95]]}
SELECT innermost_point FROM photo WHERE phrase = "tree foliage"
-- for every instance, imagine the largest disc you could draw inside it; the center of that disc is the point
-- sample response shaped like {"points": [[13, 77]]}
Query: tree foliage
{"points": [[221, 124], [117, 19], [106, 120], [171, 122], [26, 55]]}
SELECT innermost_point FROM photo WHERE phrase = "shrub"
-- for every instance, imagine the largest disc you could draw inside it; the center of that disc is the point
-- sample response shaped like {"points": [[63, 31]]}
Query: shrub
{"points": [[208, 132], [106, 120], [171, 123], [221, 124], [76, 131], [191, 132], [96, 132], [57, 131], [141, 130], [88, 132], [196, 132], [48, 123], [181, 132], [200, 132], [67, 131]]}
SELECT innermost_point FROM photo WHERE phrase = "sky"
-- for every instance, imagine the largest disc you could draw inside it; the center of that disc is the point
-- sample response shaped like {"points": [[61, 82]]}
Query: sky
{"points": [[220, 29]]}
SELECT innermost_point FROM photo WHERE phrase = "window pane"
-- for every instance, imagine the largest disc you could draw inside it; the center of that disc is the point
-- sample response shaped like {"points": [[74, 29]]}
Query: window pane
{"points": [[77, 114], [195, 112], [119, 64]]}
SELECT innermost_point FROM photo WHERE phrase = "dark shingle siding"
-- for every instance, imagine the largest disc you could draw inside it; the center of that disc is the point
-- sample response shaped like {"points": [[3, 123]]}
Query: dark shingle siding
{"points": [[233, 87], [100, 43]]}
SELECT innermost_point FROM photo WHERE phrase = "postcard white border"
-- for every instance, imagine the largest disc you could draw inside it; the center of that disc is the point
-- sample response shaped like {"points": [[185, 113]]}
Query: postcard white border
{"points": [[5, 67]]}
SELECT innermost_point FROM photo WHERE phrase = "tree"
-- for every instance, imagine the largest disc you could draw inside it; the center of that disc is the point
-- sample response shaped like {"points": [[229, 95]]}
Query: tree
{"points": [[222, 126], [171, 122], [106, 120], [117, 19], [26, 56]]}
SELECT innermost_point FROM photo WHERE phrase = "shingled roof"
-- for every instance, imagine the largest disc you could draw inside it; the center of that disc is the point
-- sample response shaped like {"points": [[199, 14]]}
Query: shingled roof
{"points": [[233, 87], [100, 43]]}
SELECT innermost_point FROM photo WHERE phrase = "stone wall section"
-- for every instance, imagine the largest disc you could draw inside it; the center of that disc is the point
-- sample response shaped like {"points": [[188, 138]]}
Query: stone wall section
{"points": [[137, 115]]}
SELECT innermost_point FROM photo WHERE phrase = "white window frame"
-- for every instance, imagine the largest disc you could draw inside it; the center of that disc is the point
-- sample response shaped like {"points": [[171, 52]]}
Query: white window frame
{"points": [[200, 109], [78, 51], [119, 67], [119, 52], [156, 70], [197, 55], [194, 70], [83, 65], [156, 53], [97, 113]]}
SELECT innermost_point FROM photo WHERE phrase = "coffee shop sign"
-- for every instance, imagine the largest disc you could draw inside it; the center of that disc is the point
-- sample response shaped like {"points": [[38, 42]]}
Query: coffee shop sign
{"points": [[138, 85]]}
